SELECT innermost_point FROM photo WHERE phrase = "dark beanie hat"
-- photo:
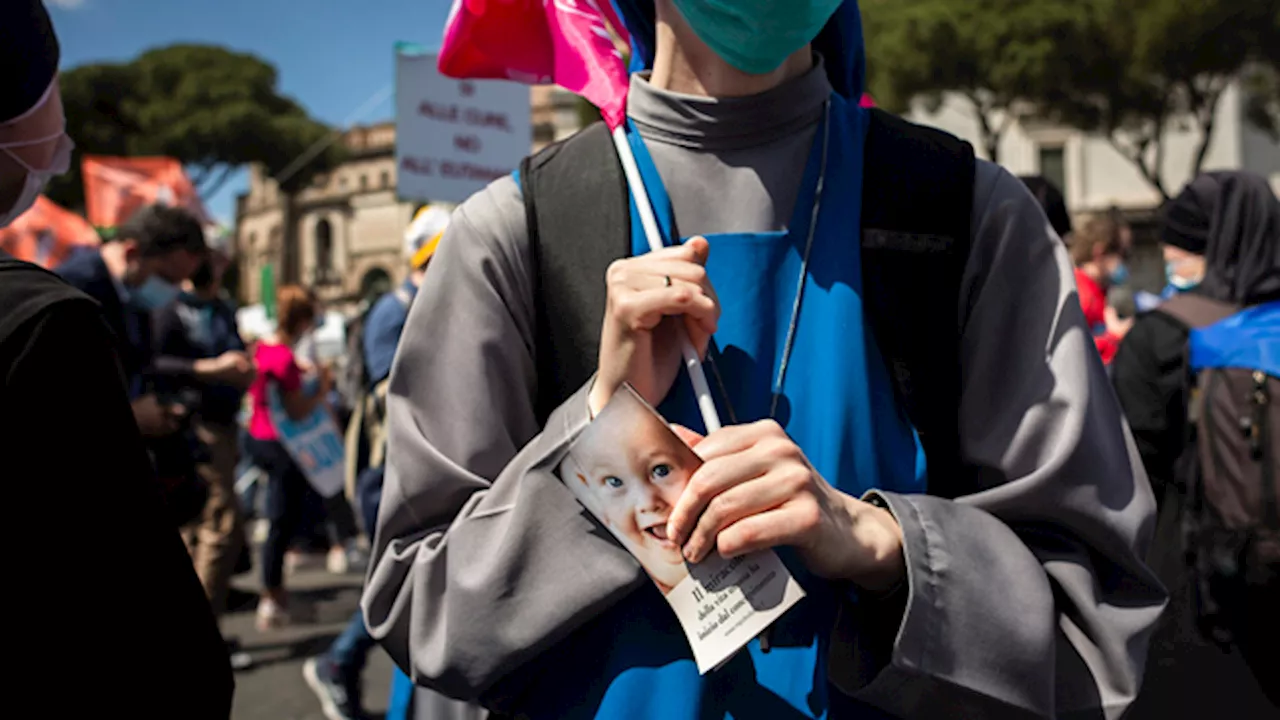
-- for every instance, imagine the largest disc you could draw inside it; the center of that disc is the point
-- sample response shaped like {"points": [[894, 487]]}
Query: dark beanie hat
{"points": [[28, 56], [1184, 221]]}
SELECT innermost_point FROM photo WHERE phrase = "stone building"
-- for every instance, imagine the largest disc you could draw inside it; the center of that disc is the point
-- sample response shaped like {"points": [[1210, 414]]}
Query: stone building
{"points": [[350, 222], [1094, 177]]}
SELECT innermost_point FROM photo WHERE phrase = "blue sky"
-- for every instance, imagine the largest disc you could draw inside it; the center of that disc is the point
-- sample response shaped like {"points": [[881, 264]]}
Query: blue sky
{"points": [[332, 55]]}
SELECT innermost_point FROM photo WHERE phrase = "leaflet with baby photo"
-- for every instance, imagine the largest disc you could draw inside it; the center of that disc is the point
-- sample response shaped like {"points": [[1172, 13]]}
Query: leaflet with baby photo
{"points": [[628, 468]]}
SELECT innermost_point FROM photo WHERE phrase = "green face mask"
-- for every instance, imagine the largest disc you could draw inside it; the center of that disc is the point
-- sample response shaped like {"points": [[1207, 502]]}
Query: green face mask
{"points": [[757, 36]]}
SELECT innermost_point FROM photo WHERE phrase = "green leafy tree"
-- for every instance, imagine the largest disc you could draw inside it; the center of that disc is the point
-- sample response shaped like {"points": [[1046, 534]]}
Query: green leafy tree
{"points": [[994, 53], [1138, 68], [213, 109], [1262, 83]]}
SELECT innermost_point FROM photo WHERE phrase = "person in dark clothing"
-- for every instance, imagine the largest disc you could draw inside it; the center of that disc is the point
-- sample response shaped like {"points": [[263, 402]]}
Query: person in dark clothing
{"points": [[1050, 198], [133, 275], [1222, 240], [107, 571], [1230, 223], [111, 571], [201, 326], [137, 271]]}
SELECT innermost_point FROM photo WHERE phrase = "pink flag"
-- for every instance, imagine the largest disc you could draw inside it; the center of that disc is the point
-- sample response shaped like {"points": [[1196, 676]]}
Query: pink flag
{"points": [[566, 42]]}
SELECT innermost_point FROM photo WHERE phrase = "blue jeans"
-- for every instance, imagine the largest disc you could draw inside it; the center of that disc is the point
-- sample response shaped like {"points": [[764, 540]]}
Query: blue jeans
{"points": [[286, 495], [350, 651]]}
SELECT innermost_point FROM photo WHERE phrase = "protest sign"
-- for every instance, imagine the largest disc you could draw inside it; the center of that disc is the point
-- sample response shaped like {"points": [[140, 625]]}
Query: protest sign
{"points": [[314, 443], [628, 469], [454, 137]]}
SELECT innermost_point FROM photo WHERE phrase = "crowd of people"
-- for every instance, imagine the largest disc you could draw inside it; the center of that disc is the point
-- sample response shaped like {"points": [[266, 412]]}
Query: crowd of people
{"points": [[1006, 492]]}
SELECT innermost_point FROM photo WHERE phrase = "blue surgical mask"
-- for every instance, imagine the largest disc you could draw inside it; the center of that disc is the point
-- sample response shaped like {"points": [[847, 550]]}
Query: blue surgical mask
{"points": [[757, 36], [1120, 275], [153, 294], [1176, 281]]}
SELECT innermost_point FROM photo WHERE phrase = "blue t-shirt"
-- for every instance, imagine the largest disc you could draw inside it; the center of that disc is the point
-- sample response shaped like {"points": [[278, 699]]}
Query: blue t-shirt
{"points": [[382, 330]]}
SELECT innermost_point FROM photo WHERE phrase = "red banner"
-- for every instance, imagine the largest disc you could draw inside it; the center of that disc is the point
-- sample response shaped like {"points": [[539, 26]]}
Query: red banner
{"points": [[116, 187], [46, 234]]}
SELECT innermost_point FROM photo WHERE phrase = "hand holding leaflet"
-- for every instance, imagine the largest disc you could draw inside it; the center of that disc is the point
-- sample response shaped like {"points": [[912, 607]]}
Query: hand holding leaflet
{"points": [[628, 469]]}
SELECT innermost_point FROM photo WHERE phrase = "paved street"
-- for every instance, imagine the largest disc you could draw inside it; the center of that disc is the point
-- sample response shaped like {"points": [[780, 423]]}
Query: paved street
{"points": [[273, 689]]}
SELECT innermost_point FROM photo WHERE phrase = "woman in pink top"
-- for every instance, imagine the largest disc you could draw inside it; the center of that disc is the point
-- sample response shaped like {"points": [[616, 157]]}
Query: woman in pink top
{"points": [[287, 486]]}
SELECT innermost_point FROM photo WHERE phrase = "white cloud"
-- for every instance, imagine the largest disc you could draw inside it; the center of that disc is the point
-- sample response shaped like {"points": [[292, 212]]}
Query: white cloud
{"points": [[65, 4]]}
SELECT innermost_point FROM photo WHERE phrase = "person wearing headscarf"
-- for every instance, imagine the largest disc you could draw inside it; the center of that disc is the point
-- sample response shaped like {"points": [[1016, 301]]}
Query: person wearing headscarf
{"points": [[1026, 597], [1221, 240], [113, 617]]}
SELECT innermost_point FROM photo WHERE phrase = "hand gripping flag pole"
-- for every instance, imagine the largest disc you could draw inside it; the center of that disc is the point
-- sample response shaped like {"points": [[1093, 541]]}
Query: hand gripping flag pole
{"points": [[692, 363], [567, 42]]}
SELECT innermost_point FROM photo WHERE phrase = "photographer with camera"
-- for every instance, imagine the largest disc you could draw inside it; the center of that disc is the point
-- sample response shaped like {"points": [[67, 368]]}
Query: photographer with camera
{"points": [[199, 332]]}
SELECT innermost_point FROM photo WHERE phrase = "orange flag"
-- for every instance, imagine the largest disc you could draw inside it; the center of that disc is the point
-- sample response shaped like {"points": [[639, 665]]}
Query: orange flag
{"points": [[115, 187], [46, 234]]}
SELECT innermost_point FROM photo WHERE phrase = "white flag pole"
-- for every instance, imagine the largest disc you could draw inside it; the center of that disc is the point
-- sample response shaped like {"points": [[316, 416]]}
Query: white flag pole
{"points": [[710, 416]]}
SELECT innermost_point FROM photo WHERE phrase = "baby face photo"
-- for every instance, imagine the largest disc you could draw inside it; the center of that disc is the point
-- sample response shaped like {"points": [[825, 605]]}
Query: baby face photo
{"points": [[628, 468]]}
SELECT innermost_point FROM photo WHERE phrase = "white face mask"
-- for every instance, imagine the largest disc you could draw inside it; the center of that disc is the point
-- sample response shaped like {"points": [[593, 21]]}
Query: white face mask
{"points": [[37, 179]]}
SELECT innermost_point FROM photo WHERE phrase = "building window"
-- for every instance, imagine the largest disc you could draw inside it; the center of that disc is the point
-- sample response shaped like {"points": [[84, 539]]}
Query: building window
{"points": [[364, 182], [1053, 166], [386, 179], [342, 182], [324, 252]]}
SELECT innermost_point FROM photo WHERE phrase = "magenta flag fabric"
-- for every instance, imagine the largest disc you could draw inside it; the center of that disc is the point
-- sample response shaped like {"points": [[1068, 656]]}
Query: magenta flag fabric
{"points": [[566, 42]]}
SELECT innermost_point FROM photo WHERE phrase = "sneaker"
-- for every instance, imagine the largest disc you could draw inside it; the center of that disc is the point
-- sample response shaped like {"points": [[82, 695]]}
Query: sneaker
{"points": [[338, 563], [348, 558], [357, 558], [271, 615], [339, 697], [240, 660]]}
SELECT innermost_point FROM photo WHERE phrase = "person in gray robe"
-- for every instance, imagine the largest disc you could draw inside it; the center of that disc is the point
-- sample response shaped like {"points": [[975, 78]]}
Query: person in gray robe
{"points": [[1027, 597]]}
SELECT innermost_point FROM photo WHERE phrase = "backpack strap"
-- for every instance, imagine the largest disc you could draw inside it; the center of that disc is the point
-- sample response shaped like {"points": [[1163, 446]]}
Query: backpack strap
{"points": [[912, 266], [578, 213], [1196, 311], [579, 217]]}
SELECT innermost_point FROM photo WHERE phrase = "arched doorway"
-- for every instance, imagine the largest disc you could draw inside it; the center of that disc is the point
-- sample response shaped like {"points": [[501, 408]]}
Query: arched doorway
{"points": [[375, 283], [324, 273]]}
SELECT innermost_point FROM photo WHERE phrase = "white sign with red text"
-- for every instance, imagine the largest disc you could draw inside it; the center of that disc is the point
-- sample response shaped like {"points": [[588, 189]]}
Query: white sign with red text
{"points": [[454, 137]]}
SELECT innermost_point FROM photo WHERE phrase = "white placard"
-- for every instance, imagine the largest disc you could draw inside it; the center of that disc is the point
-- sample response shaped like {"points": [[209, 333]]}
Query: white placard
{"points": [[454, 137], [314, 443]]}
